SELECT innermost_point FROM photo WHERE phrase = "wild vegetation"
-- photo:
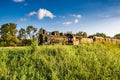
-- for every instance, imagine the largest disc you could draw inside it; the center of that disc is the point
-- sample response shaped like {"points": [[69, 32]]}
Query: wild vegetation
{"points": [[93, 61]]}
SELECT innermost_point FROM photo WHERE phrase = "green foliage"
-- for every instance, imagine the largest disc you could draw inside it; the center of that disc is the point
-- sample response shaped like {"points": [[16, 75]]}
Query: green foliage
{"points": [[30, 31], [26, 42], [96, 61], [100, 35], [2, 43], [56, 32], [117, 36], [68, 32], [41, 31], [34, 45], [22, 34], [83, 34], [8, 35]]}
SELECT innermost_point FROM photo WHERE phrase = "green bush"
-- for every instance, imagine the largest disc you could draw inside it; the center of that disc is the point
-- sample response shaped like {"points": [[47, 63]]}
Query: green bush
{"points": [[2, 44], [25, 42]]}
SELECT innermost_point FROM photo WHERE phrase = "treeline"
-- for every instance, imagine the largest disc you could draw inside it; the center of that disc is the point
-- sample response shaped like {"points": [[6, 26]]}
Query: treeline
{"points": [[10, 36]]}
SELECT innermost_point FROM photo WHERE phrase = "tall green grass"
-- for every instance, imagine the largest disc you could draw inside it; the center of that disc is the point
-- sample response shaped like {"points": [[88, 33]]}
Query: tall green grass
{"points": [[96, 61]]}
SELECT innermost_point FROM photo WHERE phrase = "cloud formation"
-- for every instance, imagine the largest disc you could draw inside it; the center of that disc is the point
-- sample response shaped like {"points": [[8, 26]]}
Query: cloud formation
{"points": [[77, 16], [67, 23], [32, 13], [76, 21], [18, 1], [42, 13], [71, 22]]}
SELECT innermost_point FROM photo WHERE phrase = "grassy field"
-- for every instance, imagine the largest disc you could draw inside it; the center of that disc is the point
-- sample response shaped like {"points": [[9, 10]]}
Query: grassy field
{"points": [[96, 61]]}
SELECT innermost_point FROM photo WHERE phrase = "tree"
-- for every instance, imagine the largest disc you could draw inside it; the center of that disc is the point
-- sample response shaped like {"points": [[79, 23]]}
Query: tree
{"points": [[117, 36], [8, 34], [100, 35], [68, 32], [83, 34], [30, 31], [55, 33], [22, 33], [41, 31]]}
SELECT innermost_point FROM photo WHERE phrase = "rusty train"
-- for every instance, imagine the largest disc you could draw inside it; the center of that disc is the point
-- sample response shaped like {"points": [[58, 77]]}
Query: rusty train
{"points": [[70, 39]]}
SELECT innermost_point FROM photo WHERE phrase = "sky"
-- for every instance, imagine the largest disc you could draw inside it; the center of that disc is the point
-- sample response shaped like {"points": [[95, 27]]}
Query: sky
{"points": [[91, 16]]}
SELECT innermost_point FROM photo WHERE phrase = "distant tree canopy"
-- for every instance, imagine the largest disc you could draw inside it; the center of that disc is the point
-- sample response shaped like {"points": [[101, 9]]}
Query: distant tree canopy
{"points": [[55, 33], [83, 34], [100, 35], [68, 32], [117, 36]]}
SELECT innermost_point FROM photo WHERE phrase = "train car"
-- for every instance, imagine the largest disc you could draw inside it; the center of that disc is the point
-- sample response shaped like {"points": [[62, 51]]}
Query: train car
{"points": [[98, 39], [70, 39]]}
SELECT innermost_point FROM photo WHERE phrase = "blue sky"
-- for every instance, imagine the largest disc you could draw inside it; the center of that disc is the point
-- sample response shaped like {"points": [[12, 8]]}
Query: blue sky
{"points": [[90, 16]]}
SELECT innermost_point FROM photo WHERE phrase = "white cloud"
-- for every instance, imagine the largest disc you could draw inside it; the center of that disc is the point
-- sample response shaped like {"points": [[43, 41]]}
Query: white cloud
{"points": [[77, 16], [18, 0], [70, 22], [76, 21], [32, 13], [45, 13], [42, 13], [23, 19], [67, 23]]}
